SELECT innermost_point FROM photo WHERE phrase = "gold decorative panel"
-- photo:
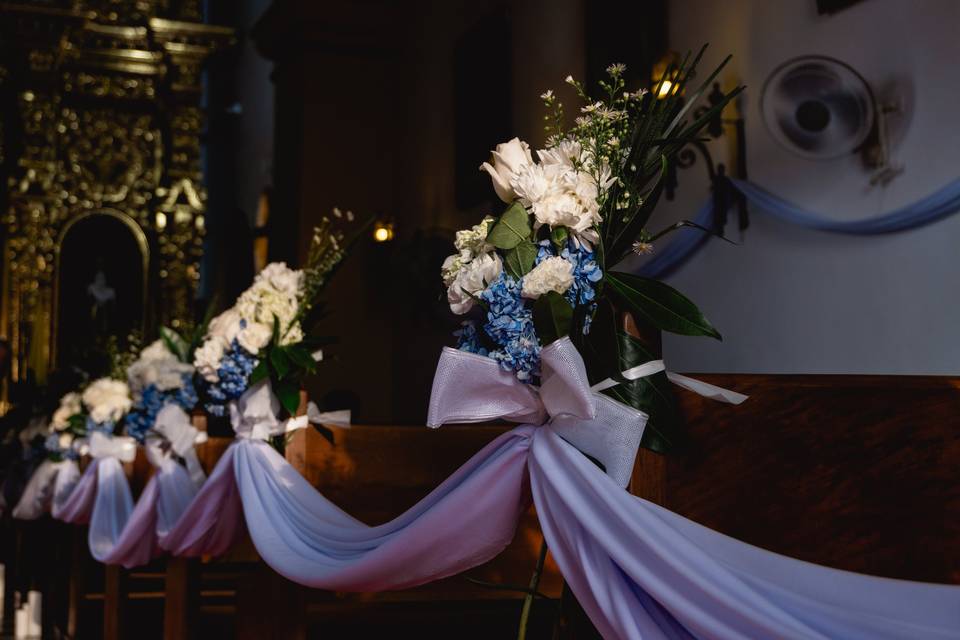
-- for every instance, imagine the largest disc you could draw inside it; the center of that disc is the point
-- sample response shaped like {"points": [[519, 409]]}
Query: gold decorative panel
{"points": [[99, 114]]}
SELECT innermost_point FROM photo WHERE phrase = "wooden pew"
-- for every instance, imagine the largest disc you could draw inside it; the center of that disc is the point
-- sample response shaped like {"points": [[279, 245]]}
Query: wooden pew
{"points": [[855, 472]]}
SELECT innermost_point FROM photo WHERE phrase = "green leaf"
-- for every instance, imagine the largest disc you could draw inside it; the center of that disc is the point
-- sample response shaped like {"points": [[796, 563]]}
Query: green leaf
{"points": [[259, 372], [559, 237], [660, 304], [280, 361], [302, 357], [519, 260], [288, 392], [175, 343], [511, 229], [689, 224], [552, 317]]}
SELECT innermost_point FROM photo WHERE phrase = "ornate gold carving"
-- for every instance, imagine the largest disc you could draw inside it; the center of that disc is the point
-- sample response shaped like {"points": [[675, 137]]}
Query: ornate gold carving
{"points": [[109, 124]]}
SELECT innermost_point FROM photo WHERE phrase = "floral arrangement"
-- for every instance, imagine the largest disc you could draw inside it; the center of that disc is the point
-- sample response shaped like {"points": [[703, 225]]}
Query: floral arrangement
{"points": [[106, 401], [544, 268], [262, 336], [67, 426], [156, 378]]}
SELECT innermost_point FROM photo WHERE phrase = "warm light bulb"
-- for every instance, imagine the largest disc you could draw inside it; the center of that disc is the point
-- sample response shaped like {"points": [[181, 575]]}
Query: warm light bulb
{"points": [[665, 88], [382, 232], [161, 220]]}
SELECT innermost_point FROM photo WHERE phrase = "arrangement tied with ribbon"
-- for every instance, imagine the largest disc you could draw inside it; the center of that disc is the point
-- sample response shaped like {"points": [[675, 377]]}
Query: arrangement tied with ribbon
{"points": [[544, 306], [255, 355]]}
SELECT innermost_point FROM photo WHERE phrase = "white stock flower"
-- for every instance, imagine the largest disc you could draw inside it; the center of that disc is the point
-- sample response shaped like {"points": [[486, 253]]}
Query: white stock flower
{"points": [[207, 358], [473, 241], [553, 274], [450, 268], [471, 280], [255, 336], [157, 350], [508, 158], [226, 325], [107, 399]]}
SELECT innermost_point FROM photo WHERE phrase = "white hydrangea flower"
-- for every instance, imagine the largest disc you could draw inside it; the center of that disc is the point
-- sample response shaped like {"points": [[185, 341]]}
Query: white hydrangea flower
{"points": [[107, 399], [471, 280], [553, 274]]}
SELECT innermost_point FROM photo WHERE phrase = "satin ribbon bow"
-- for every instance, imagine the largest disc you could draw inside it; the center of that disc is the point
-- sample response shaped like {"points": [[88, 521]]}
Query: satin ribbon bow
{"points": [[470, 388], [123, 448], [254, 415], [173, 432]]}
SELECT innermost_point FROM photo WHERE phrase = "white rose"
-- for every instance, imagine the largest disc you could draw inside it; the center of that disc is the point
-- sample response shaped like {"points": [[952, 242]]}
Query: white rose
{"points": [[226, 325], [508, 159], [472, 279], [553, 274], [207, 358], [254, 337]]}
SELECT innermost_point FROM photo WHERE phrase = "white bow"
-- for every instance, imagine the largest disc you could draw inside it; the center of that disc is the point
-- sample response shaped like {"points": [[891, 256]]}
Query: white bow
{"points": [[174, 429], [699, 387], [122, 448], [254, 415]]}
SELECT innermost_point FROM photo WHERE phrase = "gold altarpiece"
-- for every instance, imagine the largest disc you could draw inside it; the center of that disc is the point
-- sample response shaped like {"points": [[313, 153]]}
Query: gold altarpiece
{"points": [[100, 121]]}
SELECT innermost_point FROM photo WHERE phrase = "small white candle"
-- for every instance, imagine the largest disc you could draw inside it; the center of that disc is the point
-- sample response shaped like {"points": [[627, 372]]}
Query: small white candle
{"points": [[20, 623], [3, 575], [35, 610]]}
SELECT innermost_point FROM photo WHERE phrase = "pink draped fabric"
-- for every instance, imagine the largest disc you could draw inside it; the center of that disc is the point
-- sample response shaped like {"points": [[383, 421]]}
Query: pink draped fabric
{"points": [[78, 507]]}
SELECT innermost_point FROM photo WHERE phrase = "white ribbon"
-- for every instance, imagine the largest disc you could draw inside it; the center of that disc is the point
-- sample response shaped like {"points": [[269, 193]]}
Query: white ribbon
{"points": [[173, 432], [699, 387], [123, 448], [254, 415]]}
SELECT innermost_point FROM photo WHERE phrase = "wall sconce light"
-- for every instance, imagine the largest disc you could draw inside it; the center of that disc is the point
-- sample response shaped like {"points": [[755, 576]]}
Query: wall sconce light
{"points": [[382, 231], [161, 220], [664, 69]]}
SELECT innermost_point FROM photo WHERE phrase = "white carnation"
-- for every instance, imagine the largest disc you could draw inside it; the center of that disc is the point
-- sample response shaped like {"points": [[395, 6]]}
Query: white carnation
{"points": [[107, 400], [553, 274], [207, 358], [471, 280], [255, 336]]}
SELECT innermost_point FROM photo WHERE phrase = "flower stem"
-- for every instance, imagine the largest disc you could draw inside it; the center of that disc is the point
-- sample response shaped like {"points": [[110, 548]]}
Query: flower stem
{"points": [[534, 585]]}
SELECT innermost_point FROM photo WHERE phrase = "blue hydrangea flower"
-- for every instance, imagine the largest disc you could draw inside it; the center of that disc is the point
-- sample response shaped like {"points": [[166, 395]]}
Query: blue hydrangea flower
{"points": [[235, 368], [468, 338], [106, 426], [145, 410], [510, 325]]}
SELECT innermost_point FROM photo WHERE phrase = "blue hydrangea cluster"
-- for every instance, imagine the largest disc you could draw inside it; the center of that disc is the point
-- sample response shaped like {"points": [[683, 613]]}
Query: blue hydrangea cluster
{"points": [[106, 426], [145, 410], [510, 325], [468, 339], [509, 317], [235, 368], [52, 446]]}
